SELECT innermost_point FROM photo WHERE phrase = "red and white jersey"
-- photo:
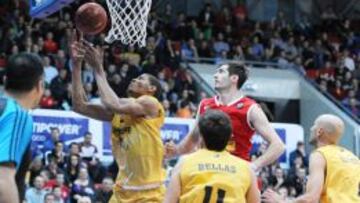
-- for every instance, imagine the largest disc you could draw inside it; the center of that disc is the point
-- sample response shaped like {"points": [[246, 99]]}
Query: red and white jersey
{"points": [[238, 110]]}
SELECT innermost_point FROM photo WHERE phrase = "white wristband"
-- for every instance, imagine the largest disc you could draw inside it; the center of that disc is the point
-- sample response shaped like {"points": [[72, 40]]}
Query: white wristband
{"points": [[254, 167]]}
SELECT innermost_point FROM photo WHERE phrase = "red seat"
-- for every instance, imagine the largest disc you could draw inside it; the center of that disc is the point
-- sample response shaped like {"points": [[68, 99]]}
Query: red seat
{"points": [[312, 73]]}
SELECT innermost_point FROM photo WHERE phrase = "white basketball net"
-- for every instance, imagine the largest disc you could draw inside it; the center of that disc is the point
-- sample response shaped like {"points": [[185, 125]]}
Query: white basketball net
{"points": [[128, 21]]}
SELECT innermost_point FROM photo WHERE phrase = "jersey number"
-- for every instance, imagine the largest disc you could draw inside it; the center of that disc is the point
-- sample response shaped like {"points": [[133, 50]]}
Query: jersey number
{"points": [[220, 195]]}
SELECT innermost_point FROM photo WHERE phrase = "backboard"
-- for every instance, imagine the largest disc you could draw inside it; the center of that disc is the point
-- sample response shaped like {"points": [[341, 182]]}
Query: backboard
{"points": [[44, 8]]}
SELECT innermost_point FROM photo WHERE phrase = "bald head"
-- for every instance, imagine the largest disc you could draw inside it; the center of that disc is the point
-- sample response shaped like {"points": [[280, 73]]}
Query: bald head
{"points": [[331, 126]]}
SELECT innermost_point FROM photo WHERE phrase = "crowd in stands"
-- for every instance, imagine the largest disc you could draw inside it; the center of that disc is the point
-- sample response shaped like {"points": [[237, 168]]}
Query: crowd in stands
{"points": [[69, 173], [328, 53]]}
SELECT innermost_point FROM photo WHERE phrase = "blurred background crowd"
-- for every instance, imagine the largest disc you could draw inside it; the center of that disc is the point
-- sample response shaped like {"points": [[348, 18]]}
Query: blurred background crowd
{"points": [[327, 53]]}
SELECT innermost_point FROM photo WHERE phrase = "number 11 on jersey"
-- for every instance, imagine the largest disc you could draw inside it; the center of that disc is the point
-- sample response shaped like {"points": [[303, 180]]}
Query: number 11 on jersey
{"points": [[220, 195]]}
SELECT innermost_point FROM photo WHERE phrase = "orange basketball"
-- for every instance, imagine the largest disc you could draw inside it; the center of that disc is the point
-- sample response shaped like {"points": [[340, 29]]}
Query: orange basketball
{"points": [[91, 18]]}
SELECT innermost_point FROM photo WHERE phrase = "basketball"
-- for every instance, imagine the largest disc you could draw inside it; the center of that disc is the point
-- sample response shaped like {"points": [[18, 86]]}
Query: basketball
{"points": [[91, 18]]}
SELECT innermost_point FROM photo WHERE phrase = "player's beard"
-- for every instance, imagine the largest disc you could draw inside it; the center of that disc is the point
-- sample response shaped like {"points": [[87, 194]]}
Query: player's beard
{"points": [[131, 93], [313, 140]]}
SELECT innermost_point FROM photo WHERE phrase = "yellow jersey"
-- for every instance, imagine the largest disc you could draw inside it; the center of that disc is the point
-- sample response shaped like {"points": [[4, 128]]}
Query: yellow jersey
{"points": [[342, 176], [210, 176], [138, 149]]}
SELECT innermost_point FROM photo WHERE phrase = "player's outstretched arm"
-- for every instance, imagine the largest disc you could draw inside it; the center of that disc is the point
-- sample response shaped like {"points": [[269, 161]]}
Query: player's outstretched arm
{"points": [[187, 145], [143, 106], [8, 188], [79, 100], [314, 185], [173, 192], [262, 126]]}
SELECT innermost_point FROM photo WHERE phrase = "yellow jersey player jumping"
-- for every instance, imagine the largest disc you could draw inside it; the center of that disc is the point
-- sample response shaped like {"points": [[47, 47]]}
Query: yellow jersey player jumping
{"points": [[334, 172], [136, 122], [212, 174]]}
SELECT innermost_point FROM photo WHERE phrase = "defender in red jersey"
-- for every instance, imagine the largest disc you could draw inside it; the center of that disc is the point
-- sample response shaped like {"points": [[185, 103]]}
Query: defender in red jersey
{"points": [[246, 117]]}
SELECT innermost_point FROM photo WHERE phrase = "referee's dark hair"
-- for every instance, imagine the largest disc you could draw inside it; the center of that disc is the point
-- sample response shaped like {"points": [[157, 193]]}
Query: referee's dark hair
{"points": [[23, 72], [215, 129]]}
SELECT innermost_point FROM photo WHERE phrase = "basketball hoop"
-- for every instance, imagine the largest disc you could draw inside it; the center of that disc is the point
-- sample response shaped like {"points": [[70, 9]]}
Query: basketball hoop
{"points": [[128, 21]]}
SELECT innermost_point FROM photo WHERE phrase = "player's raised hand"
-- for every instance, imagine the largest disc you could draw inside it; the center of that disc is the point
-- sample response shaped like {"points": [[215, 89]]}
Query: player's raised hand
{"points": [[76, 47], [94, 56], [170, 150], [270, 196]]}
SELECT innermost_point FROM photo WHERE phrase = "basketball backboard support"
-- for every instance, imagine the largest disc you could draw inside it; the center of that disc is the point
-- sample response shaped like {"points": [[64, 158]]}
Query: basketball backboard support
{"points": [[44, 8]]}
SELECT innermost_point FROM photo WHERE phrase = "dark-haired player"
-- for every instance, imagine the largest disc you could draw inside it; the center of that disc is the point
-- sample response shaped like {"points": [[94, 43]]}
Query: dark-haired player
{"points": [[212, 174], [245, 114]]}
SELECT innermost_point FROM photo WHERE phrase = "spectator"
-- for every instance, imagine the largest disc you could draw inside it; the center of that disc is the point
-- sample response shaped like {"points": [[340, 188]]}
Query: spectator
{"points": [[59, 182], [50, 46], [298, 152], [298, 180], [52, 168], [58, 86], [207, 19], [57, 154], [291, 49], [257, 49], [60, 59], [166, 105], [327, 73], [73, 167], [297, 65], [220, 45], [74, 148], [348, 61], [338, 91], [189, 50], [353, 107], [88, 150], [47, 101], [184, 110], [50, 71], [36, 194], [347, 82], [323, 86], [84, 199], [58, 195], [283, 191], [45, 174], [96, 170], [223, 18], [282, 61], [35, 169], [278, 180], [49, 144], [103, 194], [238, 53], [82, 186], [204, 50], [150, 66], [88, 75], [50, 198]]}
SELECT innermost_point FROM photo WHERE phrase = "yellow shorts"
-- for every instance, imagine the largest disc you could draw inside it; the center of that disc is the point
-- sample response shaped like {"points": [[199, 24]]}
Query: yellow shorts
{"points": [[145, 196]]}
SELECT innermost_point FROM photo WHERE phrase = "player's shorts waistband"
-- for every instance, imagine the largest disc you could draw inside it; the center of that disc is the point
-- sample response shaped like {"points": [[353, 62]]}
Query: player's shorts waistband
{"points": [[140, 187]]}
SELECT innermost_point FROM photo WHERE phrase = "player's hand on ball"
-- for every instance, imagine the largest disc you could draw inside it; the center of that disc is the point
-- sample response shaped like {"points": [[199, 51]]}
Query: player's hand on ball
{"points": [[94, 56], [170, 150], [76, 47], [270, 196]]}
